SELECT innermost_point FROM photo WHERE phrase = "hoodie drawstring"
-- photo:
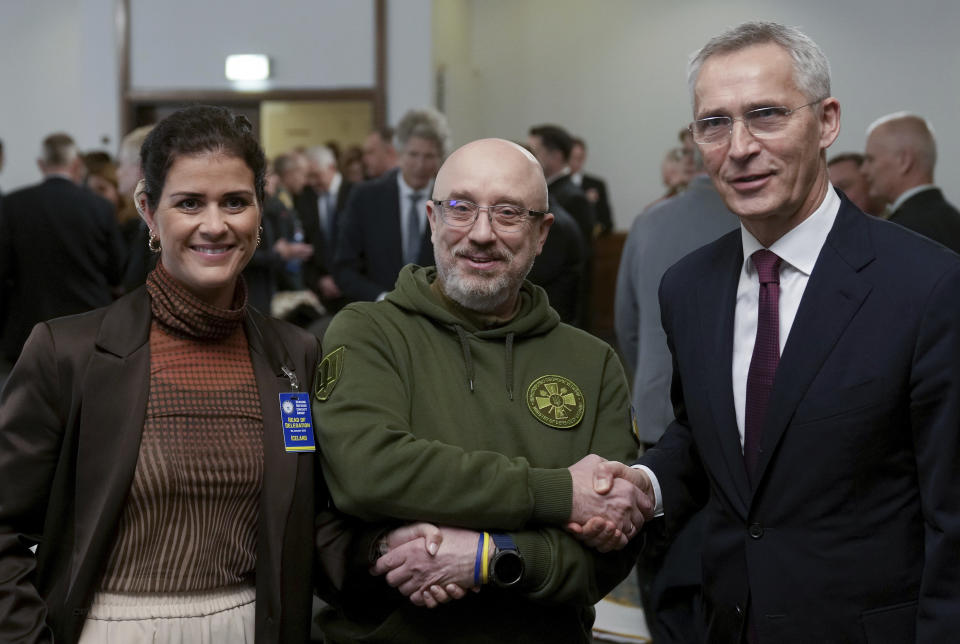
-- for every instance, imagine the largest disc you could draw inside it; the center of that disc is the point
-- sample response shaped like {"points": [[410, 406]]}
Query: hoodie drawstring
{"points": [[467, 358]]}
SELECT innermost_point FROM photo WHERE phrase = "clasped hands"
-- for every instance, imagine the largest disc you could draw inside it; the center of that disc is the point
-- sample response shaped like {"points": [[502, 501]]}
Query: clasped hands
{"points": [[432, 565]]}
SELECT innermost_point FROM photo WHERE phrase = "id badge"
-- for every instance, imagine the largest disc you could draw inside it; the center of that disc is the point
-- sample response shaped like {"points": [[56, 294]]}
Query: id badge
{"points": [[297, 422]]}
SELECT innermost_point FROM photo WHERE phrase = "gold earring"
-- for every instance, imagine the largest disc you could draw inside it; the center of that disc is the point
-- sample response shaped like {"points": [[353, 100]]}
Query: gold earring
{"points": [[153, 243], [259, 233]]}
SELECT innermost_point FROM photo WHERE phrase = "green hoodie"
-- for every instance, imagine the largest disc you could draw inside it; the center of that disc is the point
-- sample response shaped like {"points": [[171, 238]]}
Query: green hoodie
{"points": [[424, 414]]}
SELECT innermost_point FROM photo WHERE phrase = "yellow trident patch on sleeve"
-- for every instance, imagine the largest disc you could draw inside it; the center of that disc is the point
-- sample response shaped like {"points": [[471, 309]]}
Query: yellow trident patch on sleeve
{"points": [[555, 401], [328, 374]]}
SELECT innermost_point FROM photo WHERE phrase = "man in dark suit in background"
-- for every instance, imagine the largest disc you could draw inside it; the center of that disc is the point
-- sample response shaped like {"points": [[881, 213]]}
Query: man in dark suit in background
{"points": [[552, 146], [385, 222], [321, 204], [816, 358], [899, 161], [60, 249], [594, 188]]}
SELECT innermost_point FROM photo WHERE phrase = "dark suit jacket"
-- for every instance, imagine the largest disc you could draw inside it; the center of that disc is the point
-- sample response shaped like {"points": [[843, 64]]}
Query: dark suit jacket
{"points": [[369, 247], [559, 267], [71, 416], [263, 270], [324, 245], [574, 201], [60, 253], [601, 207], [852, 531], [931, 215]]}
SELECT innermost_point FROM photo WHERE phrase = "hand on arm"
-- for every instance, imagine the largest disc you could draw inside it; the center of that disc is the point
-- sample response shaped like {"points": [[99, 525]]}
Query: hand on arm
{"points": [[429, 579], [629, 496]]}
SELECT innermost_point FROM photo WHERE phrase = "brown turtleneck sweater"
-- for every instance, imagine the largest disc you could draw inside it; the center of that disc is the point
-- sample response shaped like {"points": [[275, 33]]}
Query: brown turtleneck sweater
{"points": [[190, 521]]}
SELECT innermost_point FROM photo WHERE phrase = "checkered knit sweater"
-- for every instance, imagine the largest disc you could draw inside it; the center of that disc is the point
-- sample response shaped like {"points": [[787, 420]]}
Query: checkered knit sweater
{"points": [[190, 520]]}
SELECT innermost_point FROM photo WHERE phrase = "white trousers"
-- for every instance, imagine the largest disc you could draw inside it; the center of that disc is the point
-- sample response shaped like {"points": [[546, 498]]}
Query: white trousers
{"points": [[224, 616]]}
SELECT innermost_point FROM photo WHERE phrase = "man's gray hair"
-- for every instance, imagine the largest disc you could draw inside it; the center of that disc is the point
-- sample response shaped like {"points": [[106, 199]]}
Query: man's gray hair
{"points": [[58, 150], [811, 69], [322, 156], [426, 124]]}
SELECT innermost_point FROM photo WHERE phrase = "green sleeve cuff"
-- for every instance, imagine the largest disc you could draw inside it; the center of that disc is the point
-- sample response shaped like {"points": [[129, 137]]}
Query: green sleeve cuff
{"points": [[535, 550], [552, 491]]}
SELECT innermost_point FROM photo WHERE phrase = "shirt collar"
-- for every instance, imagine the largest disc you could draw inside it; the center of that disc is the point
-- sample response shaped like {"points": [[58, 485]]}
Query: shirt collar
{"points": [[909, 193], [801, 246], [406, 191], [559, 175]]}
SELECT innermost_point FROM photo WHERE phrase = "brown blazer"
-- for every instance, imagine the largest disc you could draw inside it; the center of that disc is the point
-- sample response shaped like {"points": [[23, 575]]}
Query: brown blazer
{"points": [[71, 416]]}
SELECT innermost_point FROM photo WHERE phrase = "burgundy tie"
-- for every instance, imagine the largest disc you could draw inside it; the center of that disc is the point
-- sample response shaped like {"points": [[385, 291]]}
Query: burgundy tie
{"points": [[766, 355]]}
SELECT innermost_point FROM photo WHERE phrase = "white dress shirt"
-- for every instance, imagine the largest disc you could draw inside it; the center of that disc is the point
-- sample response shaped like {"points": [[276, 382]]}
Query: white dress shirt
{"points": [[798, 249]]}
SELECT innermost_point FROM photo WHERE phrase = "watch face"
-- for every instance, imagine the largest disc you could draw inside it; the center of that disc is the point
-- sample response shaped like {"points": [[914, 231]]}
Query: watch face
{"points": [[507, 567]]}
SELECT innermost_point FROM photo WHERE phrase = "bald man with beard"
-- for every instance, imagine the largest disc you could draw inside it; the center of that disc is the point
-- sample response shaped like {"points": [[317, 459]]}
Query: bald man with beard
{"points": [[462, 400]]}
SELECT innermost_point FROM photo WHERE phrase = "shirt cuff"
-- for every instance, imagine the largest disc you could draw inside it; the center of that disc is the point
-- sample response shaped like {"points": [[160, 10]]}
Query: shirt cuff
{"points": [[658, 497]]}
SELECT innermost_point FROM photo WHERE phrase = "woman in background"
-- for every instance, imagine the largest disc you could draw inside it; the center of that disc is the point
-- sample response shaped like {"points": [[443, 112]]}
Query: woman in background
{"points": [[141, 446]]}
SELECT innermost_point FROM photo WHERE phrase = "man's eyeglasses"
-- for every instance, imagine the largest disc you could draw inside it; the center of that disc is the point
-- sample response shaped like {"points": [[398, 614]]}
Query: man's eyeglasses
{"points": [[763, 122], [506, 218]]}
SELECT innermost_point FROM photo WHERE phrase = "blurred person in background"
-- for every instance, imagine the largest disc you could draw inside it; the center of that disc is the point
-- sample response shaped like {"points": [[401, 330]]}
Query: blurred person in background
{"points": [[379, 155], [846, 174], [101, 177], [593, 187], [352, 164], [899, 161], [384, 226], [321, 205], [140, 261], [60, 249]]}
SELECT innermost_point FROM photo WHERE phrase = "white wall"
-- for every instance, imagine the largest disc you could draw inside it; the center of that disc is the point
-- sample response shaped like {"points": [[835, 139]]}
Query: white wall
{"points": [[58, 74], [613, 71], [409, 57], [183, 44]]}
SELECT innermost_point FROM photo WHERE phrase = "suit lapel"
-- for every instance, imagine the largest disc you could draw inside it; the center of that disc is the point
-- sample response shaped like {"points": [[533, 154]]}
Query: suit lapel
{"points": [[717, 299], [834, 293], [114, 393], [279, 468]]}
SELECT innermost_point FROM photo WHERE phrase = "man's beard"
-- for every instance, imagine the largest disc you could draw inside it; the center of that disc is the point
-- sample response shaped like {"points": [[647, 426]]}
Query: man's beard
{"points": [[474, 292]]}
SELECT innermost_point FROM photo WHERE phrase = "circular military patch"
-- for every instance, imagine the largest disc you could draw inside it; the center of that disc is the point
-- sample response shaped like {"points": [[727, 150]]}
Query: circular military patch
{"points": [[555, 401]]}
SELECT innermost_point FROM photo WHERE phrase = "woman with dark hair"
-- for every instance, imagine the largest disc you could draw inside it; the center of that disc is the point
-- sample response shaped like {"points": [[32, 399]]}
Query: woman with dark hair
{"points": [[155, 451]]}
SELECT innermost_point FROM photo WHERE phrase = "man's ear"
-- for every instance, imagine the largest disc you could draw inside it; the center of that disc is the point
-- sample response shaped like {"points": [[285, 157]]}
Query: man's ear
{"points": [[432, 218], [829, 122], [545, 222]]}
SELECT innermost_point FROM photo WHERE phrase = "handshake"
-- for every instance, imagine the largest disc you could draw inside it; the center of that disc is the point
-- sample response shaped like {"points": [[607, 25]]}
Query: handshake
{"points": [[610, 502], [433, 565]]}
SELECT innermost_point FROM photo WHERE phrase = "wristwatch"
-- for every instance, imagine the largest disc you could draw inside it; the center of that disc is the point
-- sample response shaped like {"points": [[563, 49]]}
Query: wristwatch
{"points": [[507, 567]]}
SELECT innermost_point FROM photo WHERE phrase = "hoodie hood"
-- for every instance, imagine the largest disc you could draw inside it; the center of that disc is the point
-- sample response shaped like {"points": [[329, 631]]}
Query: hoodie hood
{"points": [[414, 293], [534, 317]]}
